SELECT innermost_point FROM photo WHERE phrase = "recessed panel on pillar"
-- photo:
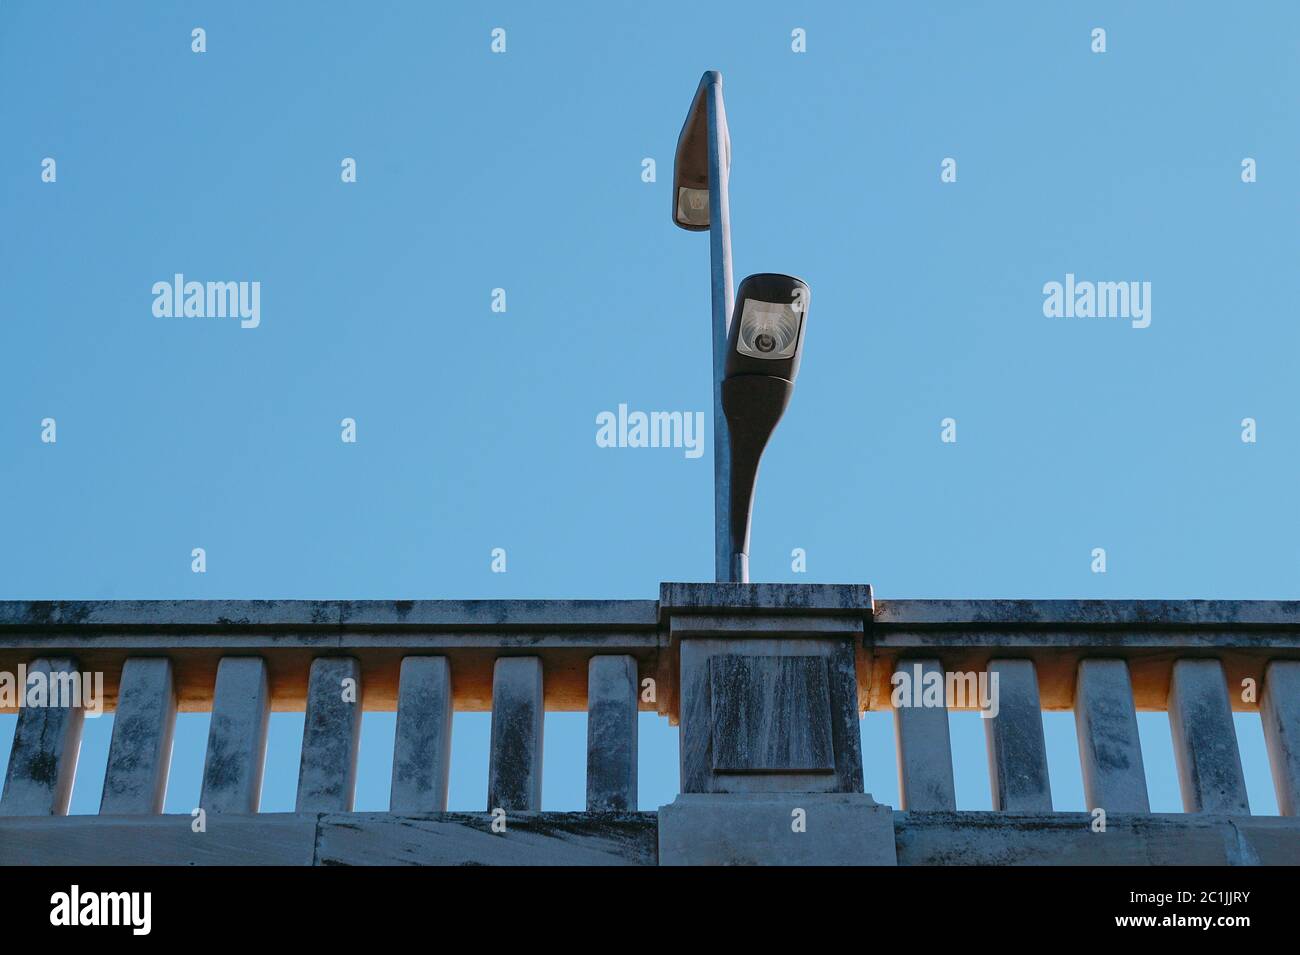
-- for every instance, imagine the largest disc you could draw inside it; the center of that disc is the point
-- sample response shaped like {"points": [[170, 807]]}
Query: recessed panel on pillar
{"points": [[771, 714]]}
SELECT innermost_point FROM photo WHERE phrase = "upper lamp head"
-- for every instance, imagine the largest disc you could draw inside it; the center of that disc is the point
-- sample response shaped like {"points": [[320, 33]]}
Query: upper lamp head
{"points": [[691, 165], [767, 326]]}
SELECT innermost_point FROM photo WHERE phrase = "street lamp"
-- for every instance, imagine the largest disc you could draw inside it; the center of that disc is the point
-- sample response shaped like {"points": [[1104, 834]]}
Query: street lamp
{"points": [[763, 348], [756, 356]]}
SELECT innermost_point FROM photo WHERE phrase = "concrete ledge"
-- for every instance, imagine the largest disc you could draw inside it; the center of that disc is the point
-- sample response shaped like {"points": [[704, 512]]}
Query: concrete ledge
{"points": [[464, 615], [264, 839], [842, 829], [1088, 614], [536, 838], [326, 615], [303, 839], [997, 838], [337, 615]]}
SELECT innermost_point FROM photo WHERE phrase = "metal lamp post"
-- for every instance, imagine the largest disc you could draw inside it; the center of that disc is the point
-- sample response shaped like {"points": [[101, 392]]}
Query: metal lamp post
{"points": [[754, 368]]}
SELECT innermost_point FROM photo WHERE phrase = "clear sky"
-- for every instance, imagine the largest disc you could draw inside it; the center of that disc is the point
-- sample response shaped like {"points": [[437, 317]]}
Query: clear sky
{"points": [[523, 171]]}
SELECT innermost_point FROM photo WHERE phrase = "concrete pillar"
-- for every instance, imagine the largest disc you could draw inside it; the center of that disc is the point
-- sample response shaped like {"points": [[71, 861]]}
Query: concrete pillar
{"points": [[515, 762], [331, 736], [1279, 710], [1109, 749], [767, 709], [241, 710], [47, 741], [1017, 752], [612, 692], [422, 744], [924, 749], [139, 757], [1205, 741]]}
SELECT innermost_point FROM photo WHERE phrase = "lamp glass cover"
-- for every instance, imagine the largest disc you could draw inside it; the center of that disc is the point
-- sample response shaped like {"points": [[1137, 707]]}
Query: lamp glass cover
{"points": [[693, 206], [768, 329]]}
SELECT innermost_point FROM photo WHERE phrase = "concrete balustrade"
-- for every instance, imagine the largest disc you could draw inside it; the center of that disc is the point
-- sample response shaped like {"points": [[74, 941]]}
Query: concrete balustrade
{"points": [[1279, 711], [422, 741], [139, 756], [925, 779], [47, 741], [1205, 740], [331, 736], [1017, 753], [515, 761], [611, 733], [768, 681], [241, 712], [1109, 748]]}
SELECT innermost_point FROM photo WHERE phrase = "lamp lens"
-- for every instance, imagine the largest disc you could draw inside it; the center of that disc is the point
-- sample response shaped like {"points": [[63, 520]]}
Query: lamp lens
{"points": [[693, 206], [768, 330]]}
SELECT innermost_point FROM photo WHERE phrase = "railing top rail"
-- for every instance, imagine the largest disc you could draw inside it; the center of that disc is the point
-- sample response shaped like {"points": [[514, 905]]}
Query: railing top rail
{"points": [[329, 614], [1128, 614], [468, 615]]}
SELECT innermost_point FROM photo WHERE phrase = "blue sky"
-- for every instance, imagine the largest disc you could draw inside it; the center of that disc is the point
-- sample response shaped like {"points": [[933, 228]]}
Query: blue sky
{"points": [[522, 171]]}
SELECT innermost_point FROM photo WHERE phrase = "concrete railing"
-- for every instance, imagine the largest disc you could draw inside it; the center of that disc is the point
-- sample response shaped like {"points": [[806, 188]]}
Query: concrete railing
{"points": [[1105, 660], [768, 683]]}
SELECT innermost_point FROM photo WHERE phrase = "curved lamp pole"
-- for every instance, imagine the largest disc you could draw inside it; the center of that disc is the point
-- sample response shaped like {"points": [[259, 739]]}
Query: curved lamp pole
{"points": [[755, 357]]}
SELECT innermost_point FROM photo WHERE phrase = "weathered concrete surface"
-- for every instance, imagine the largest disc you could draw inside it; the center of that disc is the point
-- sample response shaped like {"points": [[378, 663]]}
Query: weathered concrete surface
{"points": [[544, 838], [1109, 748], [331, 737], [963, 635], [47, 741], [781, 707], [1205, 740], [1017, 753], [1280, 714], [770, 714], [241, 712], [766, 598], [991, 838], [1090, 614], [139, 757], [764, 829], [303, 839], [612, 691], [297, 615], [230, 839], [515, 762], [289, 634], [1056, 634], [787, 626], [422, 741], [925, 779], [920, 838]]}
